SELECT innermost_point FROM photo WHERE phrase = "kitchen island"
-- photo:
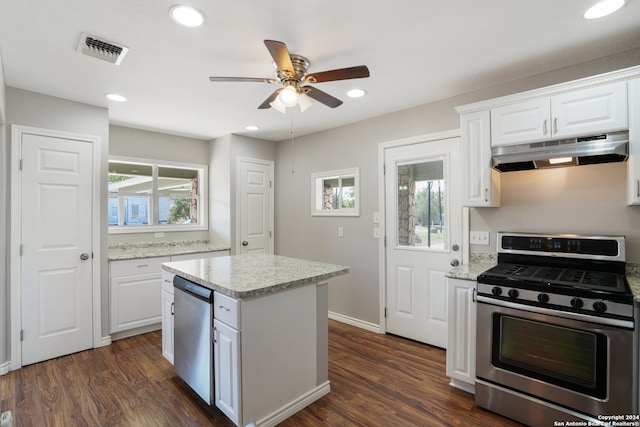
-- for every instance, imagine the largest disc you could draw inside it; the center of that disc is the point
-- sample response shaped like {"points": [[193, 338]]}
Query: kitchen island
{"points": [[270, 332]]}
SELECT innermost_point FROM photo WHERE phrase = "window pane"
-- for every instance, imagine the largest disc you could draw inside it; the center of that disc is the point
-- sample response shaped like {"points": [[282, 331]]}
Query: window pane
{"points": [[114, 211], [421, 205], [175, 210], [130, 178], [348, 192], [136, 210]]}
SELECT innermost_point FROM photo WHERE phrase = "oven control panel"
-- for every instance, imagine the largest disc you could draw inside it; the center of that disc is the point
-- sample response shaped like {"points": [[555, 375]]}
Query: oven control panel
{"points": [[555, 301], [566, 245]]}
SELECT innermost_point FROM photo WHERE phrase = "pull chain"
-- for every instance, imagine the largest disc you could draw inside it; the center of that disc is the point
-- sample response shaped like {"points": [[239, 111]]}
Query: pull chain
{"points": [[292, 146]]}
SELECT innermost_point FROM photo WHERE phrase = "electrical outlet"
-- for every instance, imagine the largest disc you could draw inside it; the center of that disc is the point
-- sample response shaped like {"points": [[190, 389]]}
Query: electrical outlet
{"points": [[376, 232], [340, 232], [159, 235], [479, 238]]}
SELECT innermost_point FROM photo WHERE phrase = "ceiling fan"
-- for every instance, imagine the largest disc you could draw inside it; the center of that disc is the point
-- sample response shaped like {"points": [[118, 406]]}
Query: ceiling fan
{"points": [[291, 72]]}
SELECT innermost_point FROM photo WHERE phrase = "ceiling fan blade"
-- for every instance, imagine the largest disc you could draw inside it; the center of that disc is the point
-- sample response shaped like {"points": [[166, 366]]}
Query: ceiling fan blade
{"points": [[359, 72], [269, 100], [242, 79], [321, 96], [280, 55]]}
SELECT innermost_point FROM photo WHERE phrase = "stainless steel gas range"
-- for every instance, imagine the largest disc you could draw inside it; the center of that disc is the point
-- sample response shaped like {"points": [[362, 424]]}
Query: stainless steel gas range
{"points": [[557, 335]]}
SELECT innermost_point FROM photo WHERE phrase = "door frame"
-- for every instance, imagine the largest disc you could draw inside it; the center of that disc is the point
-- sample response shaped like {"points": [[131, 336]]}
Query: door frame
{"points": [[238, 218], [15, 274], [382, 273]]}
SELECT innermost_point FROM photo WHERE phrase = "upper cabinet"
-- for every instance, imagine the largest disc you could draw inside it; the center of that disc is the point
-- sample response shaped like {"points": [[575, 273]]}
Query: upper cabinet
{"points": [[481, 183], [591, 106], [578, 113], [633, 163]]}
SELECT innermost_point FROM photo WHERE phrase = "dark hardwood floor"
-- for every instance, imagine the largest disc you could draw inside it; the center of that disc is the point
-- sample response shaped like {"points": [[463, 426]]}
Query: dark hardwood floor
{"points": [[376, 380]]}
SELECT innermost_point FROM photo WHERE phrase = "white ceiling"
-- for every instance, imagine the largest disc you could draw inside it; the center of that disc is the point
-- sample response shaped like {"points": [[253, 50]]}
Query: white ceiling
{"points": [[417, 51]]}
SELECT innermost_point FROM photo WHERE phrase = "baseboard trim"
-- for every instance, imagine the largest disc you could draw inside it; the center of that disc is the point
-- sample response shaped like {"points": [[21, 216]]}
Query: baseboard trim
{"points": [[4, 367], [294, 406], [372, 327], [105, 341]]}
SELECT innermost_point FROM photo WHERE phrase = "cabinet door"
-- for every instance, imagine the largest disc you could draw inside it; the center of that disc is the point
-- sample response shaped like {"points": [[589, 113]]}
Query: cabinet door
{"points": [[135, 301], [522, 122], [167, 326], [461, 353], [480, 182], [633, 164], [585, 112], [226, 363]]}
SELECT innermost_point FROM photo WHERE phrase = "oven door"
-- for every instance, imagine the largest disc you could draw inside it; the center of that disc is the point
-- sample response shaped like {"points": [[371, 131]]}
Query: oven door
{"points": [[583, 366]]}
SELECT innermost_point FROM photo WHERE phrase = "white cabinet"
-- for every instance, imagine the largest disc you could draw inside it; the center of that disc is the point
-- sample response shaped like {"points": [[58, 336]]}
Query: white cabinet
{"points": [[226, 368], [461, 351], [135, 293], [481, 183], [597, 109], [167, 315], [633, 163]]}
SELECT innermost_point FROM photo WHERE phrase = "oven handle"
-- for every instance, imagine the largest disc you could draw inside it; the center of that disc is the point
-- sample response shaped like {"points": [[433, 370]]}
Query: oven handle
{"points": [[567, 315]]}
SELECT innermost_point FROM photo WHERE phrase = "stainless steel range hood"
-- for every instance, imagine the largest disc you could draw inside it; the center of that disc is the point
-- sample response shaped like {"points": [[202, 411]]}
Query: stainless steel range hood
{"points": [[605, 148]]}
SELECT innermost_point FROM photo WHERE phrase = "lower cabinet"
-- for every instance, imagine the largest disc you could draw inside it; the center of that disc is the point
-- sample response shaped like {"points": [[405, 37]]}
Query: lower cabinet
{"points": [[226, 369], [135, 293], [461, 350], [167, 315]]}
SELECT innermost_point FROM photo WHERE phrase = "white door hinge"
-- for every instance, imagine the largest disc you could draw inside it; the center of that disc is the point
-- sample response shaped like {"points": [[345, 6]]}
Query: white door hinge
{"points": [[20, 249], [20, 165], [21, 334]]}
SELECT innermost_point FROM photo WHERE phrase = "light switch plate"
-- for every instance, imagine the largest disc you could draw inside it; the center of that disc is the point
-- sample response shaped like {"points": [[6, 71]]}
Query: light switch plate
{"points": [[340, 232], [479, 238]]}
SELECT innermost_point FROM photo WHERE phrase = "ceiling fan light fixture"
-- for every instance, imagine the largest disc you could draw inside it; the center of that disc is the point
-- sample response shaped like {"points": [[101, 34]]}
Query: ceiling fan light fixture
{"points": [[288, 96], [277, 105], [305, 101], [603, 8], [186, 15]]}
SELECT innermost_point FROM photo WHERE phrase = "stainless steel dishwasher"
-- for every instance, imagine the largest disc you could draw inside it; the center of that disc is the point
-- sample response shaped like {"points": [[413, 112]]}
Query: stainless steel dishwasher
{"points": [[193, 345]]}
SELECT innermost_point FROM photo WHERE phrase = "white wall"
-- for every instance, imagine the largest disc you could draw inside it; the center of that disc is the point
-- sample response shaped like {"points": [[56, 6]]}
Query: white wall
{"points": [[596, 203], [33, 109], [129, 142]]}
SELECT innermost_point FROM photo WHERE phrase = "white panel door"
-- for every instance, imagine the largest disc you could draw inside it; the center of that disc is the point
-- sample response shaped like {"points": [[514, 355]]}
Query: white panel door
{"points": [[423, 232], [56, 267], [256, 207]]}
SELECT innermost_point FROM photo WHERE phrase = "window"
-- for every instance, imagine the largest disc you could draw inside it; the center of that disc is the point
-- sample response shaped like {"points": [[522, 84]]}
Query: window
{"points": [[146, 195], [335, 193]]}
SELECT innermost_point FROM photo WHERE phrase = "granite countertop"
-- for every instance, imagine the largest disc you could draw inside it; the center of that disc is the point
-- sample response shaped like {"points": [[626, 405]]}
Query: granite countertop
{"points": [[250, 275], [481, 262], [124, 251]]}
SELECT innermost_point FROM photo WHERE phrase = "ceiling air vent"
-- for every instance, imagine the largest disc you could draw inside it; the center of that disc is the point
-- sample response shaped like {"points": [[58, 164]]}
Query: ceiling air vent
{"points": [[101, 49]]}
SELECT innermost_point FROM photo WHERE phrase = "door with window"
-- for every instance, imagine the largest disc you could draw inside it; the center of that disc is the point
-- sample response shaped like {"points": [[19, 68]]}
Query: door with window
{"points": [[423, 210]]}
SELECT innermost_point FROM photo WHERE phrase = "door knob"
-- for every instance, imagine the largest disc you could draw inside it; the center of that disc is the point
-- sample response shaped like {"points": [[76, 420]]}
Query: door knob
{"points": [[245, 243], [455, 248], [84, 256], [455, 263]]}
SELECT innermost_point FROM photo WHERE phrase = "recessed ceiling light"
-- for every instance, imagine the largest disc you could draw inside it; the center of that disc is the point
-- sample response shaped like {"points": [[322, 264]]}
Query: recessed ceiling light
{"points": [[186, 15], [603, 8], [356, 93], [252, 128], [115, 97]]}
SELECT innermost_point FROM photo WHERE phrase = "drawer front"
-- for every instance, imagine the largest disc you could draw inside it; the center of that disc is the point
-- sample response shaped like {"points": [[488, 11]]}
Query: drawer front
{"points": [[226, 310], [132, 267], [167, 281]]}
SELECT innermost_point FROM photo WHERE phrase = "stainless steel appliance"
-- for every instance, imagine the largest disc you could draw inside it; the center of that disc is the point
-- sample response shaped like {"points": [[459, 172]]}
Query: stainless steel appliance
{"points": [[193, 344], [556, 330]]}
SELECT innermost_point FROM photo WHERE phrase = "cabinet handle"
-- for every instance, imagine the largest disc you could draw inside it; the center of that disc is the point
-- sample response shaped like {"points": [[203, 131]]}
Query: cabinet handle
{"points": [[222, 307], [473, 294], [143, 265], [638, 188], [555, 125], [172, 313], [486, 194], [544, 127]]}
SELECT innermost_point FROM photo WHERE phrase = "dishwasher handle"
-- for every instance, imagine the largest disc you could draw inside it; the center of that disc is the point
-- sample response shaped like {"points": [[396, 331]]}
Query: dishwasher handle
{"points": [[193, 289]]}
